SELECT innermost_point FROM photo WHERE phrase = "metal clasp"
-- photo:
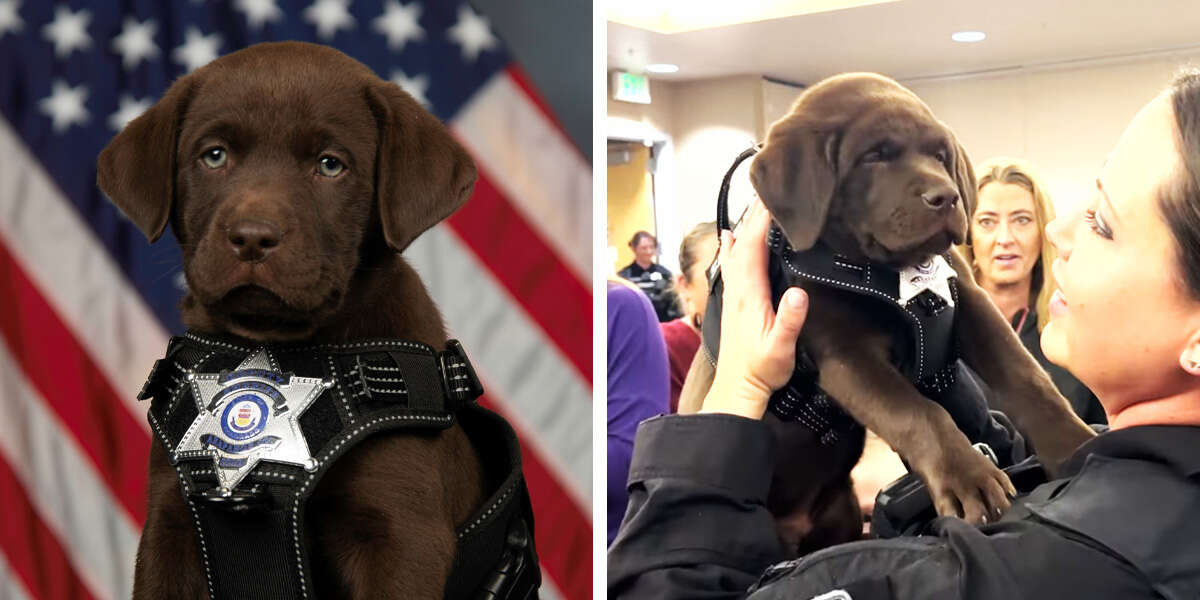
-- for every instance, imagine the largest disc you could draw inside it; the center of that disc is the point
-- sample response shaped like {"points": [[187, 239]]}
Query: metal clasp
{"points": [[234, 500]]}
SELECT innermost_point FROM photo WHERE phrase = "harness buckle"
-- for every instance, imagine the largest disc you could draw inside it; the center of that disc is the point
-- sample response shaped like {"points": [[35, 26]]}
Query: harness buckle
{"points": [[151, 386], [238, 501], [458, 376], [512, 578]]}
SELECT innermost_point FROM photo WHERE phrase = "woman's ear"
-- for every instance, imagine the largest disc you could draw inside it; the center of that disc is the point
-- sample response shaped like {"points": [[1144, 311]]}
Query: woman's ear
{"points": [[1189, 359], [685, 292]]}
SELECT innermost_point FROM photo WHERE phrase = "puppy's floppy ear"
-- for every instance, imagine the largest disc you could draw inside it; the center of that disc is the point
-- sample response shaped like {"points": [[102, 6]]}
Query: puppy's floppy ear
{"points": [[796, 179], [422, 174], [964, 178], [137, 168]]}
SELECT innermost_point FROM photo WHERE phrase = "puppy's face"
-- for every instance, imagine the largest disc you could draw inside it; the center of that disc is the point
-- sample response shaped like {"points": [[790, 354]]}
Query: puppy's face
{"points": [[282, 168], [275, 186], [897, 200], [861, 164]]}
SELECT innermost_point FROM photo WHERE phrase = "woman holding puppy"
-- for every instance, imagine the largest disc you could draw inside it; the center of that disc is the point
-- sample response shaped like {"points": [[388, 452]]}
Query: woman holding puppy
{"points": [[1125, 319]]}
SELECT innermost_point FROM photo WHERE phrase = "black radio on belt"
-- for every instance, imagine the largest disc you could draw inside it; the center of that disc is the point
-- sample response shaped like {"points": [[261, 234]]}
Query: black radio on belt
{"points": [[904, 506]]}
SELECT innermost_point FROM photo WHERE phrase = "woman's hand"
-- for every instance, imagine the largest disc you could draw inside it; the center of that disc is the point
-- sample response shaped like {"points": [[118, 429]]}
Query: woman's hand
{"points": [[757, 352]]}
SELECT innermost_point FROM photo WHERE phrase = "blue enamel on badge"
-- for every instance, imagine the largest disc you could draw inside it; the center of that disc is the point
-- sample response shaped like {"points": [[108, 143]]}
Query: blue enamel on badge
{"points": [[249, 415]]}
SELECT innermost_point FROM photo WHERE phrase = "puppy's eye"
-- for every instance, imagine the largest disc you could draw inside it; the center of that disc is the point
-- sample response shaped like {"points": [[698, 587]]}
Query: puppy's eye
{"points": [[330, 166], [883, 152], [943, 157], [214, 158]]}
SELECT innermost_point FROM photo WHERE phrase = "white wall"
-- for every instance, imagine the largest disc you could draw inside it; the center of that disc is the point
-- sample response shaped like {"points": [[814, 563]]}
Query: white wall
{"points": [[1064, 121], [715, 119], [777, 101], [657, 115]]}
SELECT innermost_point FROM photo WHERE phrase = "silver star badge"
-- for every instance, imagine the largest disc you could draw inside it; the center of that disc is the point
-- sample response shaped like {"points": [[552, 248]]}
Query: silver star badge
{"points": [[249, 415], [933, 274]]}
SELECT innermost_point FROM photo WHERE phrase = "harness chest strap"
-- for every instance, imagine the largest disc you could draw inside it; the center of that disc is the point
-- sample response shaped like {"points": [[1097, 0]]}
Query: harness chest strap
{"points": [[924, 297], [250, 432]]}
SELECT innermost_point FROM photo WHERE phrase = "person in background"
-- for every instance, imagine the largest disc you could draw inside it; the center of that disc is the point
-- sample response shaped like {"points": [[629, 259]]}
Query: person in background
{"points": [[637, 385], [652, 278], [682, 335], [1011, 261]]}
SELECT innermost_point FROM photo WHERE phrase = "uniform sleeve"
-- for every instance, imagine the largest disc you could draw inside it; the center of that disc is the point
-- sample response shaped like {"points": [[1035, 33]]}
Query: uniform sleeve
{"points": [[697, 524]]}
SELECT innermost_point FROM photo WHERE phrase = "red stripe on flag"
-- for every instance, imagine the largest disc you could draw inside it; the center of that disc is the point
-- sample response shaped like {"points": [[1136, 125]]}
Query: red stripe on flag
{"points": [[31, 549], [77, 390], [521, 78], [562, 534], [530, 270]]}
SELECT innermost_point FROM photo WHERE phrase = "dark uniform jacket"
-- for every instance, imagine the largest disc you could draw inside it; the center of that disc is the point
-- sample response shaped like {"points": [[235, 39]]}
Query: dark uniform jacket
{"points": [[1123, 523], [658, 284]]}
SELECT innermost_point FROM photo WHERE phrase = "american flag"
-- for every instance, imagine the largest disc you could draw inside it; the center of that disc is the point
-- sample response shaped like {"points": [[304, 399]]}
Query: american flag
{"points": [[86, 306]]}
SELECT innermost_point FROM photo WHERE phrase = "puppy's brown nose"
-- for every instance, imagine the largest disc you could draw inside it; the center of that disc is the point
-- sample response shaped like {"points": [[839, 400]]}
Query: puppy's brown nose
{"points": [[253, 240], [936, 199]]}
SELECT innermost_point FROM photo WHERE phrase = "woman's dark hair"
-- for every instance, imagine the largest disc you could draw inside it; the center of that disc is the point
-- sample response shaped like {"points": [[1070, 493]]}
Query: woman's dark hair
{"points": [[1179, 198], [637, 237], [689, 248]]}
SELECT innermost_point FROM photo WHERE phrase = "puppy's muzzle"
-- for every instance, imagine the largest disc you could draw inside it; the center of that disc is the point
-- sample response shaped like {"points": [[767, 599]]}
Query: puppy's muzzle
{"points": [[252, 240]]}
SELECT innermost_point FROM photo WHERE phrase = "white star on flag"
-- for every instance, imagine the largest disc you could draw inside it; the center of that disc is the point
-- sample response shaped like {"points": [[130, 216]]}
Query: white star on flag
{"points": [[415, 86], [328, 16], [10, 17], [68, 31], [472, 33], [65, 106], [399, 23], [129, 110], [197, 49], [136, 42], [259, 12]]}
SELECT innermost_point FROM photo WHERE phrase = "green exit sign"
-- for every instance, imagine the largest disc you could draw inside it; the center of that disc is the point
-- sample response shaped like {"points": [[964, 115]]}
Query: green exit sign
{"points": [[630, 87]]}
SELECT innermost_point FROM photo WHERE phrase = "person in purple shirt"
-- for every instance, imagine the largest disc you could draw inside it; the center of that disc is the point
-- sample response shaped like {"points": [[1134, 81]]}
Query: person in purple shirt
{"points": [[638, 385]]}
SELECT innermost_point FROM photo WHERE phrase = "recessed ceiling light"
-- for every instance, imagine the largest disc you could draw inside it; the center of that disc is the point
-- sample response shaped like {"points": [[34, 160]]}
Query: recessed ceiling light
{"points": [[968, 36], [662, 68]]}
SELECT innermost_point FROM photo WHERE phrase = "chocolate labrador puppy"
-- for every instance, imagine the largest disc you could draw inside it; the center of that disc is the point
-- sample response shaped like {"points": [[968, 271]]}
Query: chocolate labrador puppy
{"points": [[293, 177], [862, 168]]}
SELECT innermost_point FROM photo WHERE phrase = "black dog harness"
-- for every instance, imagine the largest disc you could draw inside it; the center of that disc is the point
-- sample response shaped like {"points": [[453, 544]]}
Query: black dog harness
{"points": [[250, 432], [923, 297]]}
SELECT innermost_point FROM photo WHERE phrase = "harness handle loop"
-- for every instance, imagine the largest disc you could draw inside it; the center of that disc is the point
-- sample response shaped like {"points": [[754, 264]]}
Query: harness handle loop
{"points": [[723, 223], [723, 195]]}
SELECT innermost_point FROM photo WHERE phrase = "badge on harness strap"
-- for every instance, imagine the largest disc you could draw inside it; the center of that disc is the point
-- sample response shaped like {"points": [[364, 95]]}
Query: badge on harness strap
{"points": [[933, 274], [248, 415]]}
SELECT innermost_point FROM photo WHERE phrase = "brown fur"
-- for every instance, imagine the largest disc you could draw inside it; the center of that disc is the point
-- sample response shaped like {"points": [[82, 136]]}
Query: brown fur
{"points": [[389, 508], [849, 165]]}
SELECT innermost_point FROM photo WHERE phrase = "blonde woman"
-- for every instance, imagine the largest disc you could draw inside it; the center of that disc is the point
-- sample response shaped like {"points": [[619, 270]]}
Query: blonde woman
{"points": [[1012, 259]]}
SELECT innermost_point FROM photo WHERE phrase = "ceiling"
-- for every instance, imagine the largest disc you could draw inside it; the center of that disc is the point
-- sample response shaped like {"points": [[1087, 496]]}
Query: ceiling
{"points": [[910, 39], [674, 16]]}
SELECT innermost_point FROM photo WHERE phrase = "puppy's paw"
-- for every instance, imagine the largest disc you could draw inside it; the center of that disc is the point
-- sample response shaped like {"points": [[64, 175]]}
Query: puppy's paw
{"points": [[964, 483]]}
